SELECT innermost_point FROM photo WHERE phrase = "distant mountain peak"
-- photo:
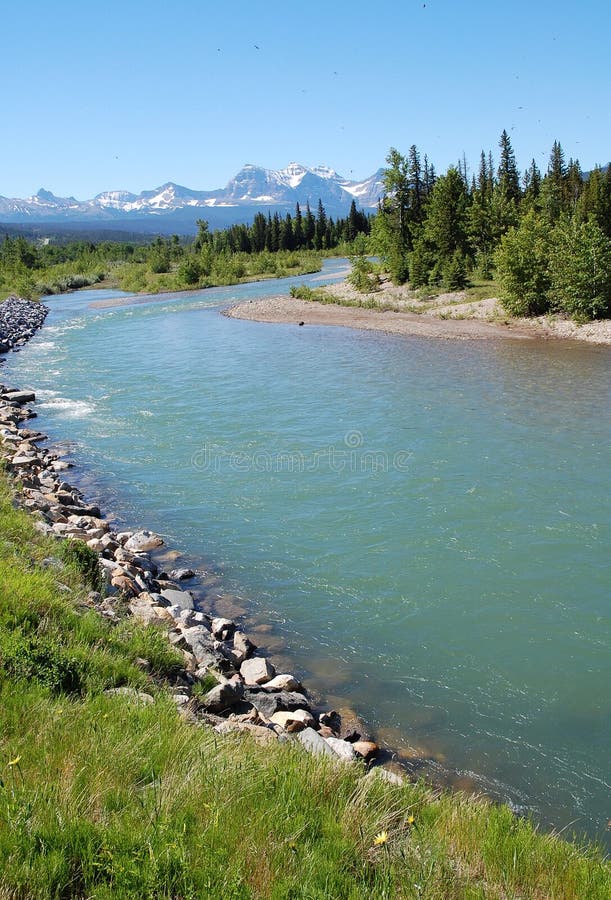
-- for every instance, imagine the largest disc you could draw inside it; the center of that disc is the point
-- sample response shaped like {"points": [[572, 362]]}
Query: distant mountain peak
{"points": [[253, 188]]}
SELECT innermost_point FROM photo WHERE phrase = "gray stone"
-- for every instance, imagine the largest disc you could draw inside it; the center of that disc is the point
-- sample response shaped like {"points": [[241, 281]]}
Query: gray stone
{"points": [[267, 703], [141, 541], [198, 639], [314, 743], [183, 599], [182, 574], [20, 397], [223, 696], [343, 749], [257, 670], [283, 683], [386, 775], [143, 611], [130, 694], [222, 628]]}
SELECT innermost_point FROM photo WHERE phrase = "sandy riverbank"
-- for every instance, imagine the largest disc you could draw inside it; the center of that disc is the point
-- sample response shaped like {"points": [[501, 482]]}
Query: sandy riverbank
{"points": [[448, 316]]}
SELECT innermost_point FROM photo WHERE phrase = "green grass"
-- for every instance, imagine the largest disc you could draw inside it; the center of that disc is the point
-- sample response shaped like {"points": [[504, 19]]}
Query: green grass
{"points": [[101, 797]]}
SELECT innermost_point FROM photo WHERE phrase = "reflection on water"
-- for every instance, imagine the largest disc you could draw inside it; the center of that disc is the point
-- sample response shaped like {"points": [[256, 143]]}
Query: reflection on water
{"points": [[423, 524]]}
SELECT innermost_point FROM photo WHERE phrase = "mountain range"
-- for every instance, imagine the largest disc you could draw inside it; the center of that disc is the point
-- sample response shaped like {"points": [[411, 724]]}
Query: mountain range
{"points": [[173, 207]]}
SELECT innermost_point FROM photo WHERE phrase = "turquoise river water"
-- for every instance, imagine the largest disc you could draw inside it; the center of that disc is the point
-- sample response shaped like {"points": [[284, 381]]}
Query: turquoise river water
{"points": [[423, 525]]}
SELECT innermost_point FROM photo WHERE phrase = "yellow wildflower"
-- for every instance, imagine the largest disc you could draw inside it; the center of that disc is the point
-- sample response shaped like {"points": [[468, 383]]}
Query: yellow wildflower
{"points": [[380, 839], [13, 762], [411, 820]]}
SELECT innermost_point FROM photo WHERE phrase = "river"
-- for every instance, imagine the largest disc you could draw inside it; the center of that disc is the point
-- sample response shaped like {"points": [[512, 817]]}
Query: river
{"points": [[423, 524]]}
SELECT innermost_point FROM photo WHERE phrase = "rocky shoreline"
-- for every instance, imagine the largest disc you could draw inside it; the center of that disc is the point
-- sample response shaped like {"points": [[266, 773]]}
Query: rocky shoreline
{"points": [[225, 683], [19, 320]]}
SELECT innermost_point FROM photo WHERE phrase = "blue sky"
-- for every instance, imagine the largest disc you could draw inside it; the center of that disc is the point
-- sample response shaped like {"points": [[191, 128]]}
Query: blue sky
{"points": [[128, 95]]}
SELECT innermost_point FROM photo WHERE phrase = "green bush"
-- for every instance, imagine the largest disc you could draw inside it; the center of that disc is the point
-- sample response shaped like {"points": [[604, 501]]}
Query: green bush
{"points": [[580, 270], [522, 267], [364, 276], [84, 560], [42, 659]]}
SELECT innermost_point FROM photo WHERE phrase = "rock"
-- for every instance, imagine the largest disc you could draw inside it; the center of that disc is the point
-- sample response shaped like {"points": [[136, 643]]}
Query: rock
{"points": [[295, 720], [124, 584], [332, 719], [181, 699], [222, 628], [143, 611], [20, 397], [366, 749], [260, 733], [182, 599], [313, 743], [344, 749], [182, 574], [267, 703], [386, 775], [223, 696], [199, 642], [141, 541], [257, 670], [130, 694], [283, 683], [242, 646]]}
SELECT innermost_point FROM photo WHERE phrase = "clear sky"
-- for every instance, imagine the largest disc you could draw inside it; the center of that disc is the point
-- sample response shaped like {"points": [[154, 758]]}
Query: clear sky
{"points": [[131, 94]]}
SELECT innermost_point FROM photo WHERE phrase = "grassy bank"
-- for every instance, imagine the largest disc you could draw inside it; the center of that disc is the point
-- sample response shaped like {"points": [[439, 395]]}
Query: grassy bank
{"points": [[104, 796]]}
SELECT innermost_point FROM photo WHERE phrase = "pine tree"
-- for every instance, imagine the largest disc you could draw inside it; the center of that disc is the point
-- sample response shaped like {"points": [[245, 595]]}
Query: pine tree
{"points": [[298, 228], [553, 186], [507, 194], [445, 227], [392, 235], [320, 231], [309, 227]]}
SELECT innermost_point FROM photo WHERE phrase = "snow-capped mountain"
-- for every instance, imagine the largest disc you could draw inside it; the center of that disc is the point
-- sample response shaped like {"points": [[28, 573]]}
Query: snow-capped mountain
{"points": [[252, 189]]}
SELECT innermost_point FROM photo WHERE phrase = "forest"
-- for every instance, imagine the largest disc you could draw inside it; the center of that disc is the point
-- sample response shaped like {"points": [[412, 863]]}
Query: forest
{"points": [[545, 237], [271, 246]]}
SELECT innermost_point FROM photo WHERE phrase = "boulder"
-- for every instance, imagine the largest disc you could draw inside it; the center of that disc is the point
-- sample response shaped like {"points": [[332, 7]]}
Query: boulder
{"points": [[366, 749], [20, 397], [131, 694], [143, 610], [222, 629], [223, 696], [314, 743], [283, 683], [257, 670], [293, 720], [181, 574], [269, 702], [344, 749], [141, 541], [182, 599]]}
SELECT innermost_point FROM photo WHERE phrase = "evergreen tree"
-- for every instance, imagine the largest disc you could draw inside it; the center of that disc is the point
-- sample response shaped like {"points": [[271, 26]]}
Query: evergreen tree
{"points": [[532, 185], [309, 227], [553, 186], [506, 194], [320, 231], [392, 235], [352, 228], [480, 219], [416, 186], [445, 227], [298, 228]]}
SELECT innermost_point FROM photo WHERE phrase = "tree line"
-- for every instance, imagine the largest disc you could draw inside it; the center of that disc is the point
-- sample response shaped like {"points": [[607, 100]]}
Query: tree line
{"points": [[546, 236]]}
